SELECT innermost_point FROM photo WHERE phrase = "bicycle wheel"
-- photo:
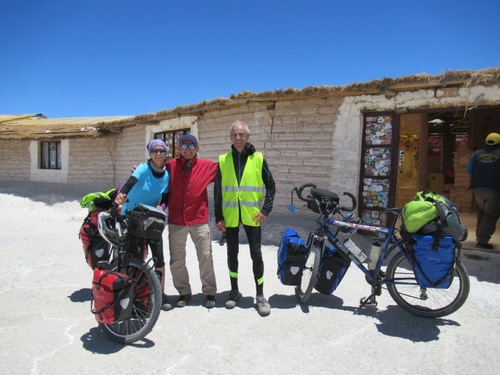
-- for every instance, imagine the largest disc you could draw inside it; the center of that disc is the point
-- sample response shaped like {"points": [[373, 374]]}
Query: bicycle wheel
{"points": [[309, 274], [425, 302], [146, 308]]}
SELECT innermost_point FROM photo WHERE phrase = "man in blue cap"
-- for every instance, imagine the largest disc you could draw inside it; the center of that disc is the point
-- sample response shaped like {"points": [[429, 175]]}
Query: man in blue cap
{"points": [[188, 214]]}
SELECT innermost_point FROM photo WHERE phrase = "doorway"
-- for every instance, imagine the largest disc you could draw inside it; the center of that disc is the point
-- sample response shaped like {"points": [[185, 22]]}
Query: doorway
{"points": [[434, 151]]}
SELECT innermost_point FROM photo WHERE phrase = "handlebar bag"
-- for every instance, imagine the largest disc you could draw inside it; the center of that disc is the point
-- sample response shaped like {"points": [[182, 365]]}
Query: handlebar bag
{"points": [[147, 222], [292, 253], [332, 269], [112, 296]]}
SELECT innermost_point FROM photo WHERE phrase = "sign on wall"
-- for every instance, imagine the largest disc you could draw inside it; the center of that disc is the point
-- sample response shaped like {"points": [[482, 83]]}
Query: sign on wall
{"points": [[377, 168]]}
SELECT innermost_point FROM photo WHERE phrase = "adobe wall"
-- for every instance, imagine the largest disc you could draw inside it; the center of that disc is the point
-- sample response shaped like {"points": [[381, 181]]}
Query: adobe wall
{"points": [[89, 159], [15, 160]]}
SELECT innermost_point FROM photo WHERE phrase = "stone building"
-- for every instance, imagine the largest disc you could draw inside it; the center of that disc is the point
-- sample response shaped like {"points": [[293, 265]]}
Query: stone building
{"points": [[382, 140]]}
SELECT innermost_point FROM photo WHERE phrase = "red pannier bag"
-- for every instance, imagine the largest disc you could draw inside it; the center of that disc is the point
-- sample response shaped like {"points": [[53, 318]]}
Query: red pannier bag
{"points": [[95, 247], [112, 296]]}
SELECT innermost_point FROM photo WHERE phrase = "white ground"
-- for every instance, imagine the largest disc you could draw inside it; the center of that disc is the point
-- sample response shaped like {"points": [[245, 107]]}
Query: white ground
{"points": [[46, 326]]}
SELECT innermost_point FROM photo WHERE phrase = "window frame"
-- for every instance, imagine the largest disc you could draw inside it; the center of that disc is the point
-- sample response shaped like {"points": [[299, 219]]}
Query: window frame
{"points": [[50, 155]]}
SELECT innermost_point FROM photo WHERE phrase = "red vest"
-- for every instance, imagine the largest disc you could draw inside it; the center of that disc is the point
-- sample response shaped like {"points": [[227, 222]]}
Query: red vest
{"points": [[188, 198]]}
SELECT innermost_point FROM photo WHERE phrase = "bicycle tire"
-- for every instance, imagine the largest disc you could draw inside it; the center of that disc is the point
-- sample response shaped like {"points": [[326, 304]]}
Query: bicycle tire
{"points": [[146, 308], [425, 302], [309, 275]]}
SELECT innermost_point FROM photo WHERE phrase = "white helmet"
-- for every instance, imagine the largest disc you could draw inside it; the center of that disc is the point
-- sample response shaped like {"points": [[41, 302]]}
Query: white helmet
{"points": [[106, 227]]}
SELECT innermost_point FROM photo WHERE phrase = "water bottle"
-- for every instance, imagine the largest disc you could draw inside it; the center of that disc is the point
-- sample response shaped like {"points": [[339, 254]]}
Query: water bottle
{"points": [[356, 251], [374, 255]]}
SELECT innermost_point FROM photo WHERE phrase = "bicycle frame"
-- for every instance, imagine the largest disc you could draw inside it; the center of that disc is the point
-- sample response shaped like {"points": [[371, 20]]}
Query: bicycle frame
{"points": [[387, 232]]}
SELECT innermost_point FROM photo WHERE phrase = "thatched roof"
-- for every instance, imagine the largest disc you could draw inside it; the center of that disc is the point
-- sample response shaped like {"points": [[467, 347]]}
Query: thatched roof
{"points": [[40, 127], [96, 126], [460, 78]]}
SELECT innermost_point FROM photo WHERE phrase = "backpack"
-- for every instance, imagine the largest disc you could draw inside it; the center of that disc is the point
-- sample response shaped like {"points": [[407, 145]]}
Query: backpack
{"points": [[433, 214], [433, 268], [112, 296], [332, 269], [291, 255]]}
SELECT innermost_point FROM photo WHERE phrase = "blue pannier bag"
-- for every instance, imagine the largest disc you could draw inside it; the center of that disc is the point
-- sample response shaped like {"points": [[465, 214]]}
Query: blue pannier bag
{"points": [[433, 268], [332, 269], [291, 257]]}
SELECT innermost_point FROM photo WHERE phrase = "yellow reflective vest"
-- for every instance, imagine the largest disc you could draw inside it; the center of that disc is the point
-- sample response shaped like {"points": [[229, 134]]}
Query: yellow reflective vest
{"points": [[246, 197]]}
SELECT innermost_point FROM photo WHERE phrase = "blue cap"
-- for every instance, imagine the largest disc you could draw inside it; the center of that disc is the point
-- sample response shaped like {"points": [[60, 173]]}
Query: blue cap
{"points": [[188, 137]]}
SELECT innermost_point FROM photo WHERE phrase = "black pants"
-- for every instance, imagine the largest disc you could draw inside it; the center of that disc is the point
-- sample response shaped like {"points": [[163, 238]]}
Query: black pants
{"points": [[254, 235]]}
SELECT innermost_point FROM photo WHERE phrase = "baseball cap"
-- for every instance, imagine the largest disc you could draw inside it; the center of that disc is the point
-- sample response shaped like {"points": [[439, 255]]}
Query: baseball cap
{"points": [[188, 137], [493, 139]]}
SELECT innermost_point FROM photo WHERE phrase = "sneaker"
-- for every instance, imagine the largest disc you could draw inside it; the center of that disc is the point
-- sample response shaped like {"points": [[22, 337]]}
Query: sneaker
{"points": [[165, 303], [183, 300], [486, 246], [232, 300], [263, 306], [209, 301]]}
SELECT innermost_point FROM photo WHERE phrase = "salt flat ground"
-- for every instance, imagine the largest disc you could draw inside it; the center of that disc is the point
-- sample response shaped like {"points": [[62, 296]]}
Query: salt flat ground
{"points": [[47, 327]]}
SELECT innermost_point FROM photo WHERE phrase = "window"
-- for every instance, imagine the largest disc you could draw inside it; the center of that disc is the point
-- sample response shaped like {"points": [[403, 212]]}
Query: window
{"points": [[171, 139], [50, 155]]}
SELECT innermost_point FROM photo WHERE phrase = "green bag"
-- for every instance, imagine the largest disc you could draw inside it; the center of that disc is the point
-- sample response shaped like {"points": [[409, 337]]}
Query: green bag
{"points": [[421, 210], [101, 200]]}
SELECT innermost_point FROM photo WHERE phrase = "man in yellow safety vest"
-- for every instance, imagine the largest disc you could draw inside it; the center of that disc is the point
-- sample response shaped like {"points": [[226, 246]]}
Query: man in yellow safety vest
{"points": [[243, 194]]}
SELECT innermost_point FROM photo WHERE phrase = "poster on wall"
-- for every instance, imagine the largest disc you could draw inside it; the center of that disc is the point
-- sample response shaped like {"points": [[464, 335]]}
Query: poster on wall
{"points": [[378, 130], [377, 166]]}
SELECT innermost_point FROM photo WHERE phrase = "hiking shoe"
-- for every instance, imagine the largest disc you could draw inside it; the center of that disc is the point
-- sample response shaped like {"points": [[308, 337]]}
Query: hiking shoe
{"points": [[165, 303], [209, 301], [486, 246], [263, 306], [183, 300], [232, 300]]}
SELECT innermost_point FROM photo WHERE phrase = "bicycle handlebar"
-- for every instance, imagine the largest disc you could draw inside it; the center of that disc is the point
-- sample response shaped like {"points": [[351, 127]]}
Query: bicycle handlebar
{"points": [[353, 201], [317, 196]]}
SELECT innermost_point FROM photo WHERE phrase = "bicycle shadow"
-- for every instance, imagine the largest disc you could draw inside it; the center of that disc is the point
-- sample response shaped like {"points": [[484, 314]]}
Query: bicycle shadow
{"points": [[281, 301], [396, 322], [96, 341], [82, 295]]}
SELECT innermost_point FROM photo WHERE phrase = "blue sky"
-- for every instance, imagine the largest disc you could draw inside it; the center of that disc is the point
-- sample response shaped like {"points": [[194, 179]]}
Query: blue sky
{"points": [[73, 58]]}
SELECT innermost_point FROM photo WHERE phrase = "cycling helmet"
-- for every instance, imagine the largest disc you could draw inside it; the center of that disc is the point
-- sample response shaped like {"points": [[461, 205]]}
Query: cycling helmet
{"points": [[106, 227]]}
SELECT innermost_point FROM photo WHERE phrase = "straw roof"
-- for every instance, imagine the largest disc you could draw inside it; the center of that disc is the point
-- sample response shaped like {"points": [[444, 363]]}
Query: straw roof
{"points": [[459, 78], [40, 127], [24, 127]]}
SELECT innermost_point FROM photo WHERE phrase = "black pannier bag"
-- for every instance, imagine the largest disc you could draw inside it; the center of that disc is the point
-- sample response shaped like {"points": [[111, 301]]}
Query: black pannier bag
{"points": [[332, 269], [147, 222]]}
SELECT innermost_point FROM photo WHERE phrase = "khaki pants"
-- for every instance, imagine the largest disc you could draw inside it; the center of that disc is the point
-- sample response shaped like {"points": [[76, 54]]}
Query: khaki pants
{"points": [[488, 212], [200, 235]]}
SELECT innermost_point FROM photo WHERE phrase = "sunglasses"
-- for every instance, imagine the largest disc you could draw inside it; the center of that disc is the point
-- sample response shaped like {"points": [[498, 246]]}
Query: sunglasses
{"points": [[161, 151], [190, 146]]}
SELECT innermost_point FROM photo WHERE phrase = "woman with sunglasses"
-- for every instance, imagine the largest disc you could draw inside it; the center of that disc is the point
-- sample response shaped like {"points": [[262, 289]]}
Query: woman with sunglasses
{"points": [[148, 185], [188, 214]]}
